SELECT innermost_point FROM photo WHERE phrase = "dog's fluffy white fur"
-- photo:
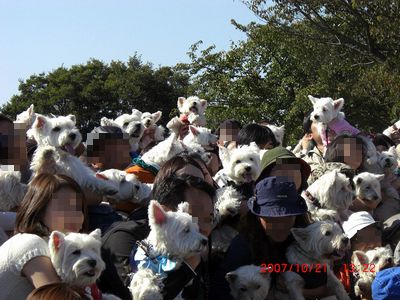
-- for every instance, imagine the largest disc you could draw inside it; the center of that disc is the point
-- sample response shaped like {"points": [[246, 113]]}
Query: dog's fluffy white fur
{"points": [[278, 131], [27, 117], [249, 283], [57, 138], [198, 138], [173, 234], [367, 264], [334, 194], [388, 131], [316, 244], [193, 107], [12, 191], [368, 186], [241, 164], [128, 185]]}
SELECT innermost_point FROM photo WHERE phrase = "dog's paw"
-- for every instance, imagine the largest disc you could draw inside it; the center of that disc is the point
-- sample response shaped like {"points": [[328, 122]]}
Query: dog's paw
{"points": [[192, 118], [45, 160]]}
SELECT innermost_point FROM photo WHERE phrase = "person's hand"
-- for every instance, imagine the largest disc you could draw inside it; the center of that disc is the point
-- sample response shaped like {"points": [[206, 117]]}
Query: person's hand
{"points": [[306, 140]]}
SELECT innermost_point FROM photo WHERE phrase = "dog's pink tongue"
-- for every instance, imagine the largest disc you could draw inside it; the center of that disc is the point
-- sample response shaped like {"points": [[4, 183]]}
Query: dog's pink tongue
{"points": [[248, 178], [69, 149]]}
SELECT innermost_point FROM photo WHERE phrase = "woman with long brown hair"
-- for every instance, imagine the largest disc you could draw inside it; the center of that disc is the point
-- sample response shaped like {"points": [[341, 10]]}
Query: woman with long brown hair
{"points": [[52, 202]]}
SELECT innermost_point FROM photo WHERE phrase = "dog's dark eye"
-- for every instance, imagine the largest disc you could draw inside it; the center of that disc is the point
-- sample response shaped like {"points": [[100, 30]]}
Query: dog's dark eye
{"points": [[324, 109], [186, 230], [57, 129], [76, 252], [257, 286], [368, 187], [328, 233], [251, 159], [126, 124], [238, 161], [243, 289]]}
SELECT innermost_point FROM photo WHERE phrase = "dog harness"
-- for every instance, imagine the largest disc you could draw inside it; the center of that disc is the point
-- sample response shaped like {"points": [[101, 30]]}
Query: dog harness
{"points": [[145, 258], [150, 167]]}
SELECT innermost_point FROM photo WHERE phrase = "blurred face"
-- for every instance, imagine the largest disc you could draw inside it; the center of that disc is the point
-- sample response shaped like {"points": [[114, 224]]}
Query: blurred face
{"points": [[64, 212], [291, 171], [277, 228], [12, 144], [114, 155], [227, 135], [367, 238], [352, 153]]}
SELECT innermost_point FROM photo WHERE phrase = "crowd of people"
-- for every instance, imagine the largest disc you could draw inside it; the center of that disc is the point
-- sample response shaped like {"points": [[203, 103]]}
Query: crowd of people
{"points": [[260, 232]]}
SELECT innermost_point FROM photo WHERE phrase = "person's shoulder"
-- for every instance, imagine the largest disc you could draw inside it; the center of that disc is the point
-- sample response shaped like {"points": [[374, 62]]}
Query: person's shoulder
{"points": [[26, 240]]}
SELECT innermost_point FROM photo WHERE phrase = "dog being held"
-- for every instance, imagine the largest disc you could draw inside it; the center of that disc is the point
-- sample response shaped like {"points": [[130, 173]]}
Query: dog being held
{"points": [[368, 186], [77, 260], [57, 139], [249, 283], [388, 161], [129, 187], [192, 113], [198, 139], [12, 191], [327, 113], [317, 244], [329, 197], [131, 124], [173, 236], [367, 264]]}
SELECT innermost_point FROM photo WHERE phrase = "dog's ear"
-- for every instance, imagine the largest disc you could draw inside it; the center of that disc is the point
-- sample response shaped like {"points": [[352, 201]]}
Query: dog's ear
{"points": [[106, 121], [156, 116], [96, 234], [56, 241], [359, 257], [388, 247], [183, 207], [338, 104], [379, 176], [392, 151], [156, 213], [203, 103], [224, 154], [181, 100], [312, 99], [254, 147], [72, 118], [231, 277], [39, 122], [136, 112], [300, 235], [358, 180], [193, 130]]}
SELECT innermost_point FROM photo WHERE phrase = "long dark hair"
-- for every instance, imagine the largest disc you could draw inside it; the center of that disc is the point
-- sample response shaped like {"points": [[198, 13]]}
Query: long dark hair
{"points": [[40, 192]]}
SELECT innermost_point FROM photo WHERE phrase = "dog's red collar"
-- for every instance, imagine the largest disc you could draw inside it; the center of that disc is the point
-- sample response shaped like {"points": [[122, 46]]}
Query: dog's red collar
{"points": [[312, 199]]}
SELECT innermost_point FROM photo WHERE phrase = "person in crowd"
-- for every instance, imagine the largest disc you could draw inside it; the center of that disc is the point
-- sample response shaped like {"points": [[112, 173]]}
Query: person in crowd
{"points": [[261, 135], [382, 142], [386, 285], [52, 202], [57, 291], [227, 132], [120, 239]]}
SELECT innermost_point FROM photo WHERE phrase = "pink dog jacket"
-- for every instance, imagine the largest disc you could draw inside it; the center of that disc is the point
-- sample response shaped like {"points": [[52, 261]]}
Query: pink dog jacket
{"points": [[341, 126]]}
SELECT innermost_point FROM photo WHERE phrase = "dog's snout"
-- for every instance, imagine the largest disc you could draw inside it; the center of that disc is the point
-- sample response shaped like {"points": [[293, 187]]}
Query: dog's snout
{"points": [[248, 169], [316, 117], [387, 160], [92, 262], [137, 125], [72, 136], [204, 242], [389, 260]]}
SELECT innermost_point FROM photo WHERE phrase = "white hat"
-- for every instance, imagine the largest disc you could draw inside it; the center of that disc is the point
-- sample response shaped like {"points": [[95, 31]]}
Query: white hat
{"points": [[356, 222]]}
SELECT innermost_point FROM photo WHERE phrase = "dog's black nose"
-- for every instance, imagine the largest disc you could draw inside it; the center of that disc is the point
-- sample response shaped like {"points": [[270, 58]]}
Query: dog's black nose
{"points": [[389, 260], [72, 136], [92, 262], [137, 187], [345, 240], [137, 125], [248, 169], [316, 117], [204, 242], [387, 160]]}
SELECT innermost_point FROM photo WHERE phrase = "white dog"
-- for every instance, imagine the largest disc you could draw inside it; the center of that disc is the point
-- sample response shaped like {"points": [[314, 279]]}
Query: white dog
{"points": [[278, 131], [327, 113], [192, 112], [27, 118], [163, 151], [129, 187], [242, 164], [151, 130], [198, 139], [249, 283], [131, 124], [367, 264], [12, 191], [368, 186], [173, 235], [57, 139], [316, 244], [77, 260], [329, 197]]}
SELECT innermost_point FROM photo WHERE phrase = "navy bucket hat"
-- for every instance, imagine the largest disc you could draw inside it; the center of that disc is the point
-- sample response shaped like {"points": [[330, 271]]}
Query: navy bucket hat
{"points": [[276, 197]]}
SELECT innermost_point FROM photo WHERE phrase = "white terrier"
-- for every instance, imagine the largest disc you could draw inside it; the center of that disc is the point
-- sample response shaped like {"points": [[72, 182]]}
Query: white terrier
{"points": [[242, 164], [198, 139], [316, 244], [27, 117], [77, 260], [152, 132], [129, 187], [249, 283], [57, 139], [327, 113], [329, 197], [279, 132], [12, 191], [173, 235], [192, 112], [366, 264], [131, 124], [368, 186], [163, 151]]}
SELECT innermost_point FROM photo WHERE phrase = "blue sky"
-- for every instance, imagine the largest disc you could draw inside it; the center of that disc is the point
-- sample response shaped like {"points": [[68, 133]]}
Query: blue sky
{"points": [[40, 35]]}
